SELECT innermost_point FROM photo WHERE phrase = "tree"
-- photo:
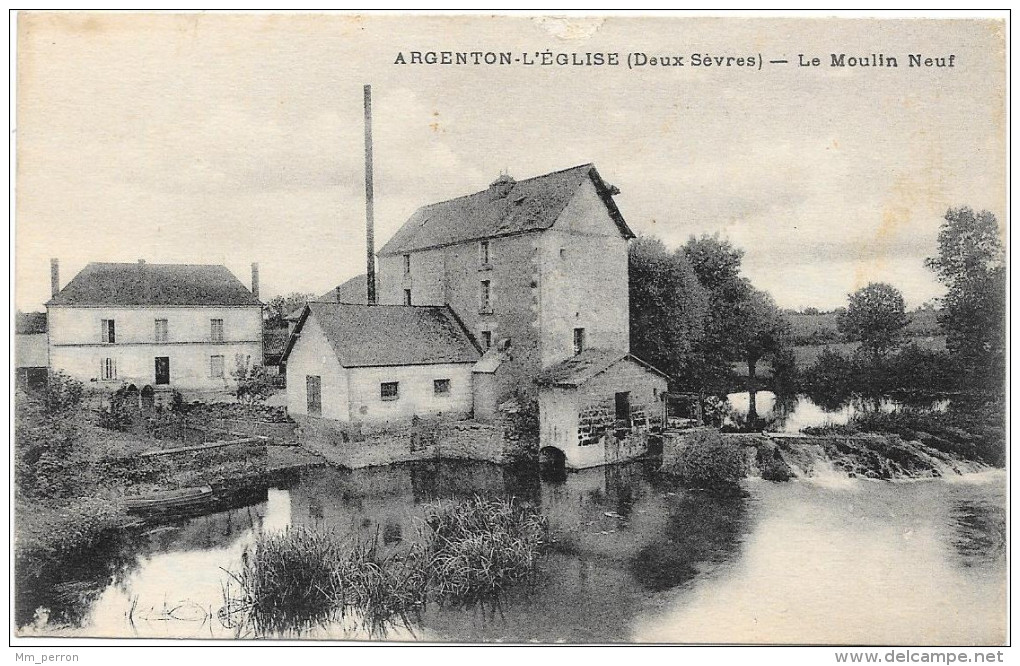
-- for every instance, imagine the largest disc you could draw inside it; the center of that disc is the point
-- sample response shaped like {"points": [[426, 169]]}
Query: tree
{"points": [[875, 315], [716, 262], [762, 328], [668, 307], [971, 263], [280, 306]]}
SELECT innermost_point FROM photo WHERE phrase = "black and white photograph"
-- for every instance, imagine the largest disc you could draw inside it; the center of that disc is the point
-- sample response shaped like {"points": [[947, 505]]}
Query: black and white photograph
{"points": [[379, 328]]}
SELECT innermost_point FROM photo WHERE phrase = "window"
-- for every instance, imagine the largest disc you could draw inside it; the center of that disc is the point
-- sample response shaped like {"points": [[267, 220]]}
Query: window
{"points": [[407, 264], [109, 331], [313, 394], [407, 297], [563, 253], [486, 339], [485, 297], [162, 330], [389, 390], [216, 367], [483, 253], [216, 330], [108, 369], [623, 407], [441, 387], [578, 341]]}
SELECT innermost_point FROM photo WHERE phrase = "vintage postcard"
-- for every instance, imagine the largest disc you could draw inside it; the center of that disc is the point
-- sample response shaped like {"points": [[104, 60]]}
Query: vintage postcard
{"points": [[517, 329]]}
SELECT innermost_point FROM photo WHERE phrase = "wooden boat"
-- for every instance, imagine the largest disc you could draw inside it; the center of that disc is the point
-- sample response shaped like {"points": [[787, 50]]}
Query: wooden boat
{"points": [[171, 500]]}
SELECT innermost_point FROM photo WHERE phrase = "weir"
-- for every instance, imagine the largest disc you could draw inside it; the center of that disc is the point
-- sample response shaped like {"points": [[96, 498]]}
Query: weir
{"points": [[782, 457]]}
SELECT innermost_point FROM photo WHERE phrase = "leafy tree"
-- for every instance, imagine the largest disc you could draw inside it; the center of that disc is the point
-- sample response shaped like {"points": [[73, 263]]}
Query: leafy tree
{"points": [[762, 328], [875, 315], [716, 262], [668, 307], [280, 306], [971, 263]]}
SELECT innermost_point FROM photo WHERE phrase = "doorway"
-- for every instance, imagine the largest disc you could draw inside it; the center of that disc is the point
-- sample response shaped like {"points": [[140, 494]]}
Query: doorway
{"points": [[162, 370]]}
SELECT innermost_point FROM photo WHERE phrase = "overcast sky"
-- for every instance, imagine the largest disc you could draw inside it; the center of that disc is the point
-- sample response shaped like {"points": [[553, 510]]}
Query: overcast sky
{"points": [[232, 139]]}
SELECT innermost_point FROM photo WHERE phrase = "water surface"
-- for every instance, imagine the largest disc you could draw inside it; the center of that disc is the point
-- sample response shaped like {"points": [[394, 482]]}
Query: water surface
{"points": [[635, 559]]}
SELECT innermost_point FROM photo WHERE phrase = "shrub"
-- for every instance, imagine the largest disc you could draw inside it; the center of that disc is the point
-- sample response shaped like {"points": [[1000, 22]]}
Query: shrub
{"points": [[254, 384], [49, 459], [116, 416], [709, 462], [63, 392]]}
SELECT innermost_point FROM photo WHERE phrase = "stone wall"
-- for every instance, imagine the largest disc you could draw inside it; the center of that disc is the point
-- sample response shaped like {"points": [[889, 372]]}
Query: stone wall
{"points": [[422, 440]]}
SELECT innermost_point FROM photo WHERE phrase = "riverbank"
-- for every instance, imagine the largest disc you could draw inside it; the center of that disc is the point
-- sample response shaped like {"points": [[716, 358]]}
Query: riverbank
{"points": [[77, 470]]}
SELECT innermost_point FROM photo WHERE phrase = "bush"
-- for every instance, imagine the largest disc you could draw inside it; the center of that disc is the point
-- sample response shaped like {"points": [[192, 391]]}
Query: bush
{"points": [[254, 384], [710, 463], [911, 369], [63, 392], [49, 459]]}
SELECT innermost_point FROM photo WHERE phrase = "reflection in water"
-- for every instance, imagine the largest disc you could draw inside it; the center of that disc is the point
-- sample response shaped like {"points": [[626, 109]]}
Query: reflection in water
{"points": [[631, 558], [757, 411]]}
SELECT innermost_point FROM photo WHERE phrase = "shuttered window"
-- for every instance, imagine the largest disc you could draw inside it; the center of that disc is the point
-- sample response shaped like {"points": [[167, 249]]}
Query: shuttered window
{"points": [[109, 331], [108, 369]]}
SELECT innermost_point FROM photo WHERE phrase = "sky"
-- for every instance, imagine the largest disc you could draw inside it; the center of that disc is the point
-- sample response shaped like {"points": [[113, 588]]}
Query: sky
{"points": [[232, 139]]}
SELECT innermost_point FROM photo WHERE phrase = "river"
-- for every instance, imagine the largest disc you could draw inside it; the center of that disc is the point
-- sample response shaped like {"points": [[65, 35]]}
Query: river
{"points": [[830, 560]]}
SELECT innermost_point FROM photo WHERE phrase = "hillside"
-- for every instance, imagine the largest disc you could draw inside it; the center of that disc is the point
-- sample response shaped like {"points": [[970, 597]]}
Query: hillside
{"points": [[813, 329]]}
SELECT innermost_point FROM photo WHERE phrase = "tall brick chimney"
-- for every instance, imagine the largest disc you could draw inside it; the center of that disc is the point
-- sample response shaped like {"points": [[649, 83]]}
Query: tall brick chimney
{"points": [[54, 277], [255, 279]]}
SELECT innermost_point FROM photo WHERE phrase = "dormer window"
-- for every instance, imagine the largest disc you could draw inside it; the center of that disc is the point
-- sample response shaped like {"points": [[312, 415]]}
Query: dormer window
{"points": [[483, 253]]}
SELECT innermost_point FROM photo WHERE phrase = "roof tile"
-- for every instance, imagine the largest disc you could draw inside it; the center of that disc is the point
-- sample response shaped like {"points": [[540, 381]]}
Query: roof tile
{"points": [[154, 284]]}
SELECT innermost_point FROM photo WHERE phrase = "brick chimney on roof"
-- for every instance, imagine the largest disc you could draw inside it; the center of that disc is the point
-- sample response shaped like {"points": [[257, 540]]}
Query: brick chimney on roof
{"points": [[501, 187], [255, 279], [54, 277]]}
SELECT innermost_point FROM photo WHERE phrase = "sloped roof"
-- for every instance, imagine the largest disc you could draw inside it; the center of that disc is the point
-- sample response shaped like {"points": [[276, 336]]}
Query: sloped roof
{"points": [[375, 335], [29, 323], [523, 205], [579, 369], [154, 284], [354, 290]]}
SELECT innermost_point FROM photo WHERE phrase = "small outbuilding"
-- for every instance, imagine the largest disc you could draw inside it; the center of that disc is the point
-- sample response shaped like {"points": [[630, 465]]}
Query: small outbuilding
{"points": [[379, 366], [600, 407]]}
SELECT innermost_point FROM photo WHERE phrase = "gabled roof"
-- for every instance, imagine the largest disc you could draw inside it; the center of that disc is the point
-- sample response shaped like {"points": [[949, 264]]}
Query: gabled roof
{"points": [[154, 284], [376, 335], [354, 290], [507, 207], [30, 323], [590, 363]]}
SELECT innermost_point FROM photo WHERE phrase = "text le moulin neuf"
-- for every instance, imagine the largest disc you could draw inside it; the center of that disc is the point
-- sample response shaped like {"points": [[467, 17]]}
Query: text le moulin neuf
{"points": [[641, 59]]}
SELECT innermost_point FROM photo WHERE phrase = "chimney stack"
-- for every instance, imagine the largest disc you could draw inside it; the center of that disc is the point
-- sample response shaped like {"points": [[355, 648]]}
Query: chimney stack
{"points": [[54, 277], [255, 279], [369, 200]]}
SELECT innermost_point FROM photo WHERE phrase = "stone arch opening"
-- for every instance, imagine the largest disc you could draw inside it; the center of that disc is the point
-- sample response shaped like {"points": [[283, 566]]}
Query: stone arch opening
{"points": [[552, 464]]}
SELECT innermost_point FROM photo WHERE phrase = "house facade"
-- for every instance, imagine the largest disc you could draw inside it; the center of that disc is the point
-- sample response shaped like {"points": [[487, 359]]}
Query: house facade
{"points": [[372, 367], [600, 407], [154, 325], [536, 269], [31, 353]]}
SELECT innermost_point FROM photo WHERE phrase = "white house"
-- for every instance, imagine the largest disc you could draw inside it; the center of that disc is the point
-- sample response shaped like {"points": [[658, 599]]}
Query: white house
{"points": [[598, 407], [157, 325], [375, 366]]}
